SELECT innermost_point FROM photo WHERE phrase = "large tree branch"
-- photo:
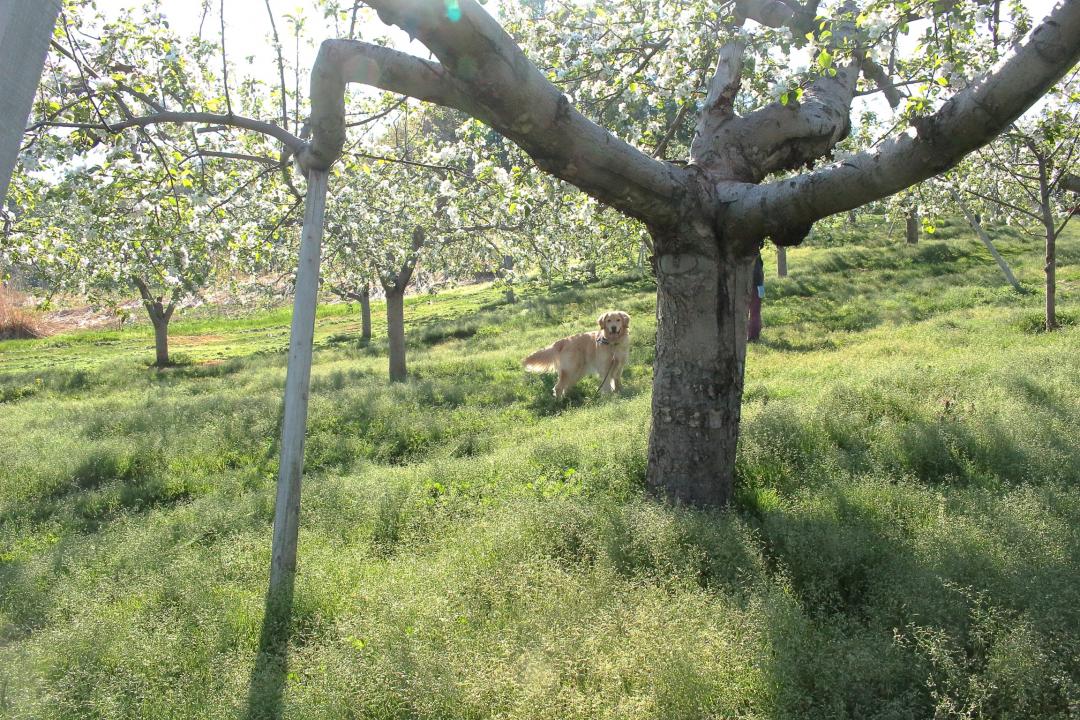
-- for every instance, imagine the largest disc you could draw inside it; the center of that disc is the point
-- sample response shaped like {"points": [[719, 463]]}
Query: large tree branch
{"points": [[484, 73], [783, 136], [343, 61], [785, 209], [719, 102]]}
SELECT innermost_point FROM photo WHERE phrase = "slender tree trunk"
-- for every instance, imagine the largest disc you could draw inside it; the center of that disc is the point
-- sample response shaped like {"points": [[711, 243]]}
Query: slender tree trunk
{"points": [[852, 219], [1051, 244], [160, 315], [703, 294], [364, 297], [913, 226], [781, 261], [395, 331], [976, 225]]}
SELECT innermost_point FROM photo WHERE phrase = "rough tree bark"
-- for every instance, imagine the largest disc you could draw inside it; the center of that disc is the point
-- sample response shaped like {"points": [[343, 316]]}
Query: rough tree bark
{"points": [[781, 261], [707, 218], [160, 314]]}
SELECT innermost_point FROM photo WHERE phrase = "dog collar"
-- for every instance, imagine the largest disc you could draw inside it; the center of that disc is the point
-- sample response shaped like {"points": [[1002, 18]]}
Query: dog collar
{"points": [[602, 341]]}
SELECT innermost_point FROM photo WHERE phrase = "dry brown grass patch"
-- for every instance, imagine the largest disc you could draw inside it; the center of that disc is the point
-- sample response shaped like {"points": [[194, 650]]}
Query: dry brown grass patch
{"points": [[16, 321]]}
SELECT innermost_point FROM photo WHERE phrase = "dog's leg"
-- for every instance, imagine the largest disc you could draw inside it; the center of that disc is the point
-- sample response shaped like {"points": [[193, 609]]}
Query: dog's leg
{"points": [[562, 385], [617, 376]]}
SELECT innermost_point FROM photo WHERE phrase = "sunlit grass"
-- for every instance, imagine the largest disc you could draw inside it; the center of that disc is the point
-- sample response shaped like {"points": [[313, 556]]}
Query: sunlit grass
{"points": [[903, 543]]}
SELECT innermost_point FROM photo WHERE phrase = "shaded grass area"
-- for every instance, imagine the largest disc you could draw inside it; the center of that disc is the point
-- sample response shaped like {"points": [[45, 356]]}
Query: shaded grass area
{"points": [[903, 545]]}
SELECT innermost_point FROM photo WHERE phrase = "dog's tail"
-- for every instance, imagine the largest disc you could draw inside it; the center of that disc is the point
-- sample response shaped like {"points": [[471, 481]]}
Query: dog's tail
{"points": [[542, 360]]}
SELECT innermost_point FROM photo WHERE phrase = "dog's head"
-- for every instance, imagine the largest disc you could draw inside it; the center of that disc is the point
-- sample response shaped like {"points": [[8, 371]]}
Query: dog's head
{"points": [[615, 325]]}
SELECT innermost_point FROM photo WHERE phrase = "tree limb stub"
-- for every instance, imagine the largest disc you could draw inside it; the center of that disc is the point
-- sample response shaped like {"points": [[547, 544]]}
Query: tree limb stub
{"points": [[967, 121], [719, 103], [484, 73]]}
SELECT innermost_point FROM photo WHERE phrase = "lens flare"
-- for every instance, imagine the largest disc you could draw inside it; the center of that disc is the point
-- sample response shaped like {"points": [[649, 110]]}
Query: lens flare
{"points": [[453, 10]]}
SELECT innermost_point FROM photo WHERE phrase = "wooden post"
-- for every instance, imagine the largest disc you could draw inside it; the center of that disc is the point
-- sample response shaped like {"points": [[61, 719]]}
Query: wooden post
{"points": [[25, 29], [297, 386]]}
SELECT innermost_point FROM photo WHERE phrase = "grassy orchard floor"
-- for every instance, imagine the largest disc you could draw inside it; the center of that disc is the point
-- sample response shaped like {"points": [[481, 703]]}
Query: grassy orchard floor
{"points": [[905, 540]]}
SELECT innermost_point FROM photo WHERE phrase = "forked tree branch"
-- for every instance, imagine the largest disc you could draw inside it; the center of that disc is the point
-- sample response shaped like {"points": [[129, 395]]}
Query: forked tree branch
{"points": [[719, 105], [966, 122]]}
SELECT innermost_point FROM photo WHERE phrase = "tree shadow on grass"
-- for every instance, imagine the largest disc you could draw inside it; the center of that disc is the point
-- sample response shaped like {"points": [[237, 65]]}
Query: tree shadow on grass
{"points": [[266, 689]]}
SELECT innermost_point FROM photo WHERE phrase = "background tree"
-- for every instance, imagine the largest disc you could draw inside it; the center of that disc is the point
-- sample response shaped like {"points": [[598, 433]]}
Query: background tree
{"points": [[1026, 174], [399, 217], [120, 222]]}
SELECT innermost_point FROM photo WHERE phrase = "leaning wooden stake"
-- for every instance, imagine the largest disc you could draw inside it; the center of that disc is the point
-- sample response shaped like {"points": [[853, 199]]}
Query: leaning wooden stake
{"points": [[973, 221], [294, 425]]}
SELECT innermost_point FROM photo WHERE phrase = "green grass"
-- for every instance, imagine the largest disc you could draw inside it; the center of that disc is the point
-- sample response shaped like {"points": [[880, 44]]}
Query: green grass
{"points": [[903, 543]]}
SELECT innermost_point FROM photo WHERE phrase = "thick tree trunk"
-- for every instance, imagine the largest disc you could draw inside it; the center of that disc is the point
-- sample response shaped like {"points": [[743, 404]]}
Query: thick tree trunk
{"points": [[364, 297], [161, 340], [395, 331], [913, 226], [781, 261], [703, 294]]}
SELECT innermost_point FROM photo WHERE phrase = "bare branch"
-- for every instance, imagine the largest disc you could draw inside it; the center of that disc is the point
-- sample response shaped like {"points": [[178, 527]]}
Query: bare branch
{"points": [[377, 116], [661, 147], [281, 68], [225, 62], [1005, 203], [877, 74], [237, 121], [269, 161]]}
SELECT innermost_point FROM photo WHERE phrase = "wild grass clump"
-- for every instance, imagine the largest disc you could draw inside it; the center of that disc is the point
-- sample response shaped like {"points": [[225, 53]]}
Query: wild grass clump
{"points": [[16, 322], [902, 543]]}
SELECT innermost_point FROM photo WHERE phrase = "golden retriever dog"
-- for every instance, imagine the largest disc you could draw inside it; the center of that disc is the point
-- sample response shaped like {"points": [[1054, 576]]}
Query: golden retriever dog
{"points": [[603, 352]]}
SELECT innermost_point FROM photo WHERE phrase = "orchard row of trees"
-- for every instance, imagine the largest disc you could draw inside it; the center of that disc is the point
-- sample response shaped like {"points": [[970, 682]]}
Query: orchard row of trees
{"points": [[133, 182], [696, 129]]}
